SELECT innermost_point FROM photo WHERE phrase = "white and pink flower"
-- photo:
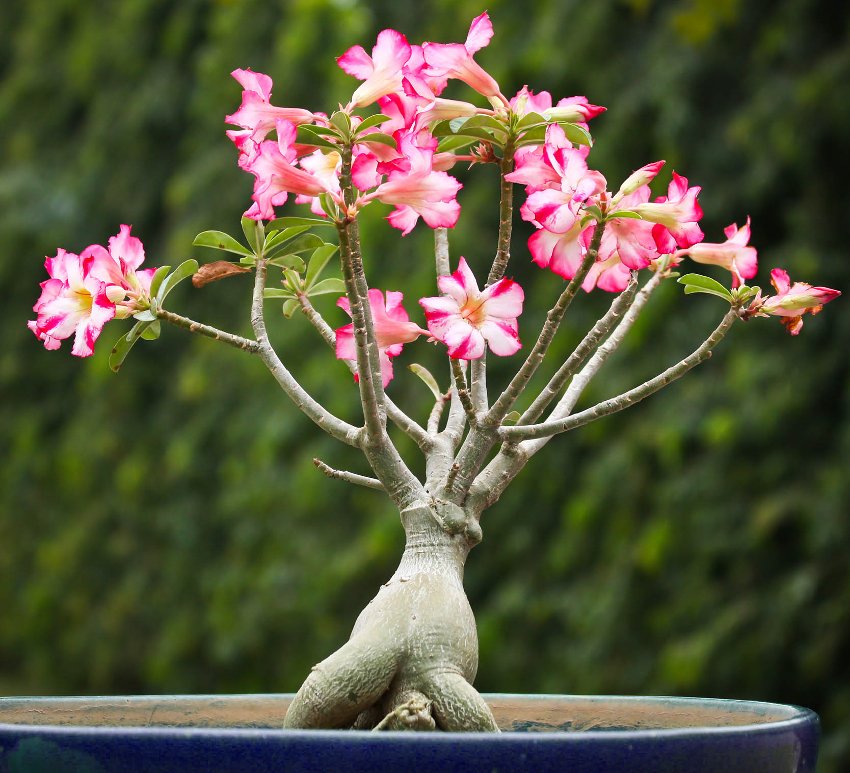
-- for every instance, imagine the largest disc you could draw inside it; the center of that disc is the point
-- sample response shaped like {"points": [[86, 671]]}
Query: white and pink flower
{"points": [[85, 291], [417, 190], [273, 165], [791, 301], [393, 329], [676, 215], [455, 60], [560, 182], [382, 72], [735, 254], [256, 115], [468, 320]]}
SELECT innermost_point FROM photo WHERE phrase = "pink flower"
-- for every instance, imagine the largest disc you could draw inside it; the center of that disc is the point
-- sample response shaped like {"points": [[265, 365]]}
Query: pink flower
{"points": [[418, 191], [85, 291], [733, 254], [562, 253], [611, 275], [637, 179], [467, 319], [630, 239], [573, 110], [393, 328], [526, 101], [564, 168], [273, 166], [454, 60], [381, 73], [791, 302], [256, 114], [677, 214]]}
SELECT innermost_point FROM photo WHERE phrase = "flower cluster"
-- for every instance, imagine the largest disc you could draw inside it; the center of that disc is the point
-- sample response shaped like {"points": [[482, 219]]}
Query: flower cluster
{"points": [[400, 156], [85, 291]]}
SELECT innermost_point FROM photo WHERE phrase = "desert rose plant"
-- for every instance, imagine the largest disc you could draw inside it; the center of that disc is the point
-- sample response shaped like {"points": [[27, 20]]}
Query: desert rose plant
{"points": [[413, 653]]}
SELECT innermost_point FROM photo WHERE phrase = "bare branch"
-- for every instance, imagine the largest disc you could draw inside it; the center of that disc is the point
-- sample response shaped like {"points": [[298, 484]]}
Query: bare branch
{"points": [[463, 392], [607, 407], [585, 347], [334, 426], [349, 477], [246, 344], [580, 381], [436, 412], [394, 413]]}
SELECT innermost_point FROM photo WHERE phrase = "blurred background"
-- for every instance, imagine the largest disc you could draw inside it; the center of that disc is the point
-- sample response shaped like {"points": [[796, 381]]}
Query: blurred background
{"points": [[164, 530]]}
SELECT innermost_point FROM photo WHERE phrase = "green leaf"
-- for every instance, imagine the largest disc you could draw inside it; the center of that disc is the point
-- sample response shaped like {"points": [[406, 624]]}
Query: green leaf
{"points": [[427, 378], [253, 230], [288, 261], [145, 316], [304, 243], [576, 134], [327, 131], [156, 279], [183, 271], [152, 333], [594, 212], [124, 344], [277, 238], [697, 283], [218, 240], [481, 133], [304, 135], [342, 121], [318, 260], [529, 121], [625, 213], [293, 280], [484, 122], [372, 120], [290, 222], [512, 417], [456, 123], [454, 142], [276, 292], [248, 260], [535, 136], [327, 287], [442, 129], [379, 137], [289, 308]]}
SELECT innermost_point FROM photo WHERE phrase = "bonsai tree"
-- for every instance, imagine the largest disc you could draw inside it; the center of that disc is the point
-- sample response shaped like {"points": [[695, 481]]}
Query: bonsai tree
{"points": [[413, 653]]}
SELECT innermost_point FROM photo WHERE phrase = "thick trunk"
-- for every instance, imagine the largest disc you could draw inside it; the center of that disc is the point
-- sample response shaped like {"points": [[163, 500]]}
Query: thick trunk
{"points": [[413, 652]]}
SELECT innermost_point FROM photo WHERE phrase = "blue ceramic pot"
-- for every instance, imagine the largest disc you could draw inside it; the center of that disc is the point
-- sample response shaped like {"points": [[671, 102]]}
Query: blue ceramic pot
{"points": [[545, 733]]}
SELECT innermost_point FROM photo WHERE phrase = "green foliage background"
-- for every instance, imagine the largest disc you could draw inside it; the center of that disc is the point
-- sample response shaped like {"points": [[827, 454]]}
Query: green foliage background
{"points": [[165, 531]]}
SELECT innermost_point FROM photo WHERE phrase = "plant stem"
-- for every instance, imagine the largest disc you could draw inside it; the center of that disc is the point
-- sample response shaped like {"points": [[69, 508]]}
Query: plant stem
{"points": [[553, 321], [246, 344], [334, 426], [607, 407]]}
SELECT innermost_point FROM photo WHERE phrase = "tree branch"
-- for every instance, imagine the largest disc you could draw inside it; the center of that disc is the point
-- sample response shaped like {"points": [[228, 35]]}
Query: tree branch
{"points": [[394, 413], [596, 334], [455, 422], [246, 344], [349, 477], [334, 426], [615, 404], [535, 357]]}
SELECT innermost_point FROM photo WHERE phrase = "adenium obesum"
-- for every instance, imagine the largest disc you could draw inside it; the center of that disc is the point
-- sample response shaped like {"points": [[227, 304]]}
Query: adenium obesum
{"points": [[395, 144]]}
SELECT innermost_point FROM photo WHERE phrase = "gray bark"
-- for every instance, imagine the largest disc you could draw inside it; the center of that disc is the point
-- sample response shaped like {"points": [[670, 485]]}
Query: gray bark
{"points": [[413, 653]]}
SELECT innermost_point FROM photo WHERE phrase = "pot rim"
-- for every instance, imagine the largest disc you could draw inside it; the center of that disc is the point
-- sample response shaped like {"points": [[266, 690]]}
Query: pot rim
{"points": [[777, 718]]}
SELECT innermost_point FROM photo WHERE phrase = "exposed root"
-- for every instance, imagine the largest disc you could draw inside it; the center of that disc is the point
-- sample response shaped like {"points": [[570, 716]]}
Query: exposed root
{"points": [[415, 714]]}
